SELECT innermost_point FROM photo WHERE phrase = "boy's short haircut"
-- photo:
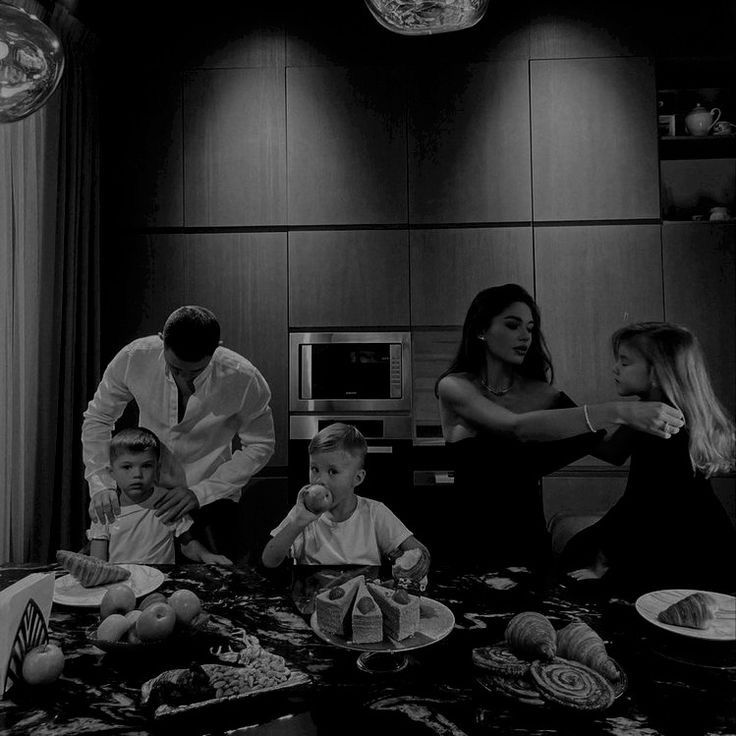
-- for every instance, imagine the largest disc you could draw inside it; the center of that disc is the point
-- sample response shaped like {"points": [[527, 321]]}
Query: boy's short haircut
{"points": [[192, 333], [134, 439], [339, 436]]}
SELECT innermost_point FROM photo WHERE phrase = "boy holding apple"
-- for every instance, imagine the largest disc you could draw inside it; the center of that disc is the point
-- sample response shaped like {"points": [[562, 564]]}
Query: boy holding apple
{"points": [[138, 535], [330, 524]]}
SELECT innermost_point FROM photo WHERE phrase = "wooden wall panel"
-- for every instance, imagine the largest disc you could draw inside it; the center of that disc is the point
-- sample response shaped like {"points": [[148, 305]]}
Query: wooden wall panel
{"points": [[234, 147], [469, 143], [145, 142], [349, 278], [450, 266], [591, 280], [594, 139], [241, 277], [700, 293], [347, 146]]}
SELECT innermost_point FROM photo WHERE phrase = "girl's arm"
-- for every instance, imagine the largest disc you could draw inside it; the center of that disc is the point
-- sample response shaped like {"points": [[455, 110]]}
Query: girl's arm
{"points": [[615, 447], [466, 400], [99, 548]]}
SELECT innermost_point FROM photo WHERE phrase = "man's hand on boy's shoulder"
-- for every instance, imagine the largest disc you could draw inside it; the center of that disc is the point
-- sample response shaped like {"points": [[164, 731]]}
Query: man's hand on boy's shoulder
{"points": [[104, 506], [173, 503]]}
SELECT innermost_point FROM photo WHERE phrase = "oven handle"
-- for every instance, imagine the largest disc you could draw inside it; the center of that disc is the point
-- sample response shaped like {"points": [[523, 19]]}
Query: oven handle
{"points": [[380, 449]]}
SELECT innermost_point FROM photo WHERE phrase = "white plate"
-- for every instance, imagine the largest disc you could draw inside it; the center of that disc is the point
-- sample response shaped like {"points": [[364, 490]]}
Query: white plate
{"points": [[436, 621], [68, 591], [722, 628]]}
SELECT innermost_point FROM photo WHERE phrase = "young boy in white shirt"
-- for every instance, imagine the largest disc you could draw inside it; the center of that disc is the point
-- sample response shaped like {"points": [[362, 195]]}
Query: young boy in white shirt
{"points": [[354, 530], [137, 535]]}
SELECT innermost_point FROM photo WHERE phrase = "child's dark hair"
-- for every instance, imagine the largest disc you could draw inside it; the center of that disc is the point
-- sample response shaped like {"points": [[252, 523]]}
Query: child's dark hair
{"points": [[339, 436], [134, 439], [192, 333]]}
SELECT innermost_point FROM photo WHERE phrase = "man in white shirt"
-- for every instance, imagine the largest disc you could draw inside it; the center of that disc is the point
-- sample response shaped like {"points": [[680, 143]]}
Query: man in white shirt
{"points": [[196, 396]]}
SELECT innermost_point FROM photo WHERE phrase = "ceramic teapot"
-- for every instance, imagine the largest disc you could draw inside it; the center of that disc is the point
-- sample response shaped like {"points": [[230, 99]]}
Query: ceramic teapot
{"points": [[699, 121]]}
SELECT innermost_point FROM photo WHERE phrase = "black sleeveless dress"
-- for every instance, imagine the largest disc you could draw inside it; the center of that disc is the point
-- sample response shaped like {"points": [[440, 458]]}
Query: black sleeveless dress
{"points": [[498, 486], [668, 530]]}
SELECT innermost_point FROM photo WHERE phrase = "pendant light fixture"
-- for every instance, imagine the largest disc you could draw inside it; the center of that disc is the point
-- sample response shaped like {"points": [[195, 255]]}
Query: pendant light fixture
{"points": [[31, 63], [425, 17]]}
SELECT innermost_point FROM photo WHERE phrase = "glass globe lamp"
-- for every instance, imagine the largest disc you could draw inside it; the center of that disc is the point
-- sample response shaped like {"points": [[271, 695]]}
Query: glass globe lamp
{"points": [[31, 63], [424, 17]]}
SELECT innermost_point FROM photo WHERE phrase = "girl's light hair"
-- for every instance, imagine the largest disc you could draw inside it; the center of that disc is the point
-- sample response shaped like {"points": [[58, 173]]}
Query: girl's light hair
{"points": [[677, 360]]}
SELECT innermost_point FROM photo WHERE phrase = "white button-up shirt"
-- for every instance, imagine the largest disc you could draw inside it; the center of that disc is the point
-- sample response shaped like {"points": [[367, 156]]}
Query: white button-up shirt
{"points": [[230, 398]]}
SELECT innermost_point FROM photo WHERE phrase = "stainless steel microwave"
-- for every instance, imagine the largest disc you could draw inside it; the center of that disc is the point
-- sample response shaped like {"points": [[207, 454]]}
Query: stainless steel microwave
{"points": [[349, 371]]}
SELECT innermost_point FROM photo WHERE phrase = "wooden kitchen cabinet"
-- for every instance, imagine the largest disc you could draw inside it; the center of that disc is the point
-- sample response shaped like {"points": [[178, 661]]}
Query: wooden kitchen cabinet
{"points": [[347, 145], [591, 280], [349, 278], [241, 277], [594, 139], [699, 265], [144, 180], [469, 143], [450, 266], [234, 147]]}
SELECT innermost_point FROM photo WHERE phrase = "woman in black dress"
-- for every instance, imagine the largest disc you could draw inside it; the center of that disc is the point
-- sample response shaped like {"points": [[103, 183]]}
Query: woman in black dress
{"points": [[506, 426]]}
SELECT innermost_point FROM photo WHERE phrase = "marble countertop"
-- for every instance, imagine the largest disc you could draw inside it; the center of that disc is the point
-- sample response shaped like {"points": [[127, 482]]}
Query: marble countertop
{"points": [[674, 689]]}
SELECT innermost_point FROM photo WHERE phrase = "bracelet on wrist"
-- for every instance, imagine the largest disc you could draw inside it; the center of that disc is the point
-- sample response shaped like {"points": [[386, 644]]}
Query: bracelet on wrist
{"points": [[587, 418]]}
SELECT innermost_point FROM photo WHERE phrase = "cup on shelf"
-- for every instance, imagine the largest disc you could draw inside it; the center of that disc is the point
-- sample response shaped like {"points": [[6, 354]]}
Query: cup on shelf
{"points": [[719, 213], [723, 127]]}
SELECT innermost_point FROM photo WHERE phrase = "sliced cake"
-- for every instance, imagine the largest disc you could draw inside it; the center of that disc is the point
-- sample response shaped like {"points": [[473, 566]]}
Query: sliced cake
{"points": [[334, 606], [400, 611], [90, 571], [367, 618]]}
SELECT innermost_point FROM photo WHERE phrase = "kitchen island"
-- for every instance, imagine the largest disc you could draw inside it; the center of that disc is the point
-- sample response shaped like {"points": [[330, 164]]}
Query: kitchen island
{"points": [[673, 688]]}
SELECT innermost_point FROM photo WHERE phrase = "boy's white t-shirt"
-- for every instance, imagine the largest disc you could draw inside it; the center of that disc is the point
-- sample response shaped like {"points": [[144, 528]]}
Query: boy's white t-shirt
{"points": [[139, 536], [371, 531]]}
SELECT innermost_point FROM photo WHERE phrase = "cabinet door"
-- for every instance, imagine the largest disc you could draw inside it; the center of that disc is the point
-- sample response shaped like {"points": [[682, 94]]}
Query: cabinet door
{"points": [[594, 139], [347, 146], [469, 143], [700, 293], [449, 267], [144, 175], [241, 277], [591, 280], [234, 147], [349, 278]]}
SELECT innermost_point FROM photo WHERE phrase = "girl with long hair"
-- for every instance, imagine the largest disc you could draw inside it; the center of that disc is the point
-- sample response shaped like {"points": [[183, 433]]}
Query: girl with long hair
{"points": [[506, 426], [668, 529]]}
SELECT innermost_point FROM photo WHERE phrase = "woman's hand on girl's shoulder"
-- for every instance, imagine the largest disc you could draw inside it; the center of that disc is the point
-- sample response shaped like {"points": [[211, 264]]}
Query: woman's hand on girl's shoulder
{"points": [[653, 417]]}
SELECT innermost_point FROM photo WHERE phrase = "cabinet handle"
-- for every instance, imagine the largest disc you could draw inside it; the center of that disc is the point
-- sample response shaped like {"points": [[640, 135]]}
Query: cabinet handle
{"points": [[381, 449]]}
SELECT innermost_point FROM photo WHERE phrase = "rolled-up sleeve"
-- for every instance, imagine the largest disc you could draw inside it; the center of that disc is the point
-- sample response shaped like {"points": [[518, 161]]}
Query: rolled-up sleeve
{"points": [[106, 407], [256, 434]]}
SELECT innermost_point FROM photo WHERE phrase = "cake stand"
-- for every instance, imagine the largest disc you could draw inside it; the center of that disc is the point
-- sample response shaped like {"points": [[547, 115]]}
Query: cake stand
{"points": [[436, 621]]}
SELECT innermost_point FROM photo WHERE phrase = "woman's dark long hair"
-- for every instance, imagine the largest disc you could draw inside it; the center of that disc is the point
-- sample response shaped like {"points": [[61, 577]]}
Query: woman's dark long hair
{"points": [[471, 355]]}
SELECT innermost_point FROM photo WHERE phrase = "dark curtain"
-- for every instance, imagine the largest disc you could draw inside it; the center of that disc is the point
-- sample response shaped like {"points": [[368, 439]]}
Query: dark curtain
{"points": [[69, 330]]}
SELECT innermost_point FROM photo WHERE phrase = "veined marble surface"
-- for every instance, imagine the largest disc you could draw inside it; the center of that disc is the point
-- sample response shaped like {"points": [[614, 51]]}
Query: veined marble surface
{"points": [[674, 689]]}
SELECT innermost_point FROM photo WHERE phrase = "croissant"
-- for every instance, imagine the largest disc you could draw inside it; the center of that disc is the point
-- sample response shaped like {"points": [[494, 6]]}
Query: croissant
{"points": [[578, 642], [695, 611], [532, 634], [90, 571]]}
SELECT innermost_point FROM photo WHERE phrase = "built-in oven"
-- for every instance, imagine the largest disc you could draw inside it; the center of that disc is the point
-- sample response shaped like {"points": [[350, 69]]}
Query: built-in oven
{"points": [[388, 463], [350, 372]]}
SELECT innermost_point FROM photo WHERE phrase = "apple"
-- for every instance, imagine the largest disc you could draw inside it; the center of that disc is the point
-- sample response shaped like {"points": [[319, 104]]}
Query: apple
{"points": [[152, 598], [132, 636], [133, 615], [117, 599], [43, 664], [186, 605], [317, 498], [156, 622], [114, 627]]}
